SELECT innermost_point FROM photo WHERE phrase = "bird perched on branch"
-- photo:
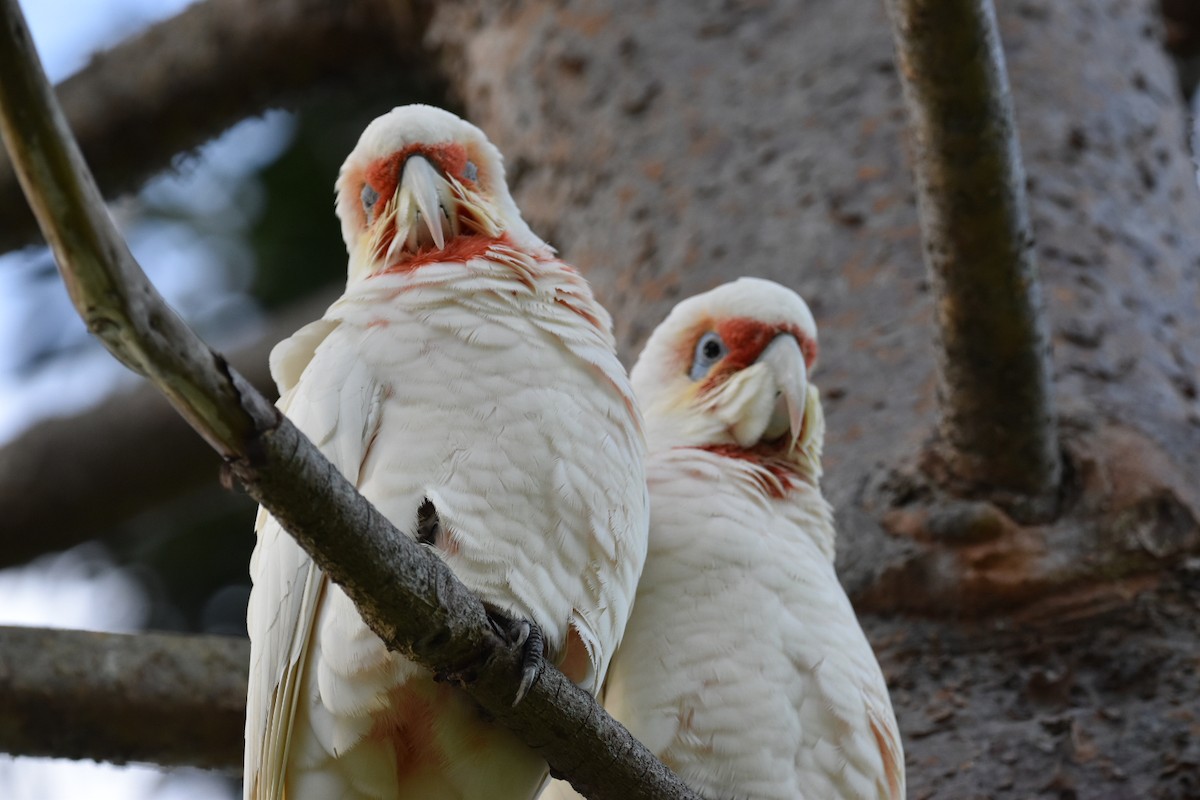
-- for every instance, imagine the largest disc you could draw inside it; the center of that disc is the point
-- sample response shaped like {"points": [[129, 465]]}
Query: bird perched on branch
{"points": [[467, 384], [743, 666]]}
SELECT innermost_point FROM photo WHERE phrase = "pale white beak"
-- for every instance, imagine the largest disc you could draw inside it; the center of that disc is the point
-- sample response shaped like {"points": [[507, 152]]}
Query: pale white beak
{"points": [[784, 360], [424, 208]]}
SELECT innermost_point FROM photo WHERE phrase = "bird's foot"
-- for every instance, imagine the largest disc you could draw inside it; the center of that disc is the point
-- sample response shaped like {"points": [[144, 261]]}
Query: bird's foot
{"points": [[526, 635], [533, 657]]}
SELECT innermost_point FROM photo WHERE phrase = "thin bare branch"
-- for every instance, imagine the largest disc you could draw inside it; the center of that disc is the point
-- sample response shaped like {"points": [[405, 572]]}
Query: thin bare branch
{"points": [[409, 597], [172, 700], [997, 422], [186, 79]]}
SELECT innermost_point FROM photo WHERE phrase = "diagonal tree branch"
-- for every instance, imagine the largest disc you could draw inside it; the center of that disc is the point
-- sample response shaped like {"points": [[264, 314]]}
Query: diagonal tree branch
{"points": [[997, 422], [127, 454], [409, 597], [163, 698], [186, 79]]}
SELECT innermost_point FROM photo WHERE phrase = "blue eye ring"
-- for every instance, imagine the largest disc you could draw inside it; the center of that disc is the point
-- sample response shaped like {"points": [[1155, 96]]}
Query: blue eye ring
{"points": [[369, 198], [710, 349], [471, 172]]}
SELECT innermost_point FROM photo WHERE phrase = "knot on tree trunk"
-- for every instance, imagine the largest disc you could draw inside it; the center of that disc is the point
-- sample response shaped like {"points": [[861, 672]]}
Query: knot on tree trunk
{"points": [[1126, 511]]}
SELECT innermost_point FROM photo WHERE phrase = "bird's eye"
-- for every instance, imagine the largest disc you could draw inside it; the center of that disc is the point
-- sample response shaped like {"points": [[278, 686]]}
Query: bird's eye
{"points": [[471, 172], [709, 350], [369, 198]]}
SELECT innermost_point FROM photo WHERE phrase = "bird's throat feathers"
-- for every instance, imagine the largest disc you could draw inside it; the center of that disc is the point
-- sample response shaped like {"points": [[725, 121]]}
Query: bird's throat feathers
{"points": [[777, 476], [788, 467], [367, 262], [460, 250]]}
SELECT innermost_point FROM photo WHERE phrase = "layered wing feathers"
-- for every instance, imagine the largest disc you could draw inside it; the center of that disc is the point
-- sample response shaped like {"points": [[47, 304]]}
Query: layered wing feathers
{"points": [[338, 407], [507, 409], [744, 667]]}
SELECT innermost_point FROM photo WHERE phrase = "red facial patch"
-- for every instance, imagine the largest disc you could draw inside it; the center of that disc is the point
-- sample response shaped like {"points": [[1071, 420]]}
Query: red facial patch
{"points": [[745, 339], [383, 174]]}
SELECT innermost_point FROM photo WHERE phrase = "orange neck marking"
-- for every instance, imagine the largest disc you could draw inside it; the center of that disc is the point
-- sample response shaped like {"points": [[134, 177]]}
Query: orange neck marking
{"points": [[459, 249], [765, 456]]}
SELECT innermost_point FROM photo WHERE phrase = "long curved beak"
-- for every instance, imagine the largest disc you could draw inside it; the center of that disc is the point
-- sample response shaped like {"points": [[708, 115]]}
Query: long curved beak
{"points": [[784, 359], [424, 207]]}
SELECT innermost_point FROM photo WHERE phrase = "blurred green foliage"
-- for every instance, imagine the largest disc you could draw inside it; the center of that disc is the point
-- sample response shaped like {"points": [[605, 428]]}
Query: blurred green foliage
{"points": [[297, 241]]}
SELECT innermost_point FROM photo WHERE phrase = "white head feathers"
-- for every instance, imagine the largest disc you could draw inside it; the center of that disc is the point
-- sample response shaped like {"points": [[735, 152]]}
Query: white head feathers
{"points": [[729, 368], [465, 172]]}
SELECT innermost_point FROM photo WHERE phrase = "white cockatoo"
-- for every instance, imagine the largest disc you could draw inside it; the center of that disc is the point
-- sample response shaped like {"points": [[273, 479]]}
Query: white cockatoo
{"points": [[467, 384], [743, 666]]}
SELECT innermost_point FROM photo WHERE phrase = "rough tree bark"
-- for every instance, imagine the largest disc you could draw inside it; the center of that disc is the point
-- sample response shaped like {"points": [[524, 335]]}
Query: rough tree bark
{"points": [[996, 421], [408, 596], [666, 148]]}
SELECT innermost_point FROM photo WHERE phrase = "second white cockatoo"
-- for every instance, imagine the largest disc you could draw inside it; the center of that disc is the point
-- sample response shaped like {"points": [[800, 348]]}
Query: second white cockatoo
{"points": [[467, 384], [744, 668]]}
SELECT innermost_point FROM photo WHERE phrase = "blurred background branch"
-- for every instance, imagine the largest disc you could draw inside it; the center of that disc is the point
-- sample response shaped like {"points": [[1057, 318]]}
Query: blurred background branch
{"points": [[161, 698], [127, 454], [182, 81]]}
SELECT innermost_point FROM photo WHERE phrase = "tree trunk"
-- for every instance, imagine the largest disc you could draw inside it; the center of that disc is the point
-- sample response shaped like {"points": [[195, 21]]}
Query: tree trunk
{"points": [[667, 148]]}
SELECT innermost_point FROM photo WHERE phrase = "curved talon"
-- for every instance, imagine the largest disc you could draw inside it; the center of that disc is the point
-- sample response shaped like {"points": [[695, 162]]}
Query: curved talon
{"points": [[519, 631], [526, 635], [534, 654]]}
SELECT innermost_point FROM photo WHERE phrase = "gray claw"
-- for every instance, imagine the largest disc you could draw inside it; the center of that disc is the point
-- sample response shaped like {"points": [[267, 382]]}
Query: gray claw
{"points": [[526, 635], [529, 637]]}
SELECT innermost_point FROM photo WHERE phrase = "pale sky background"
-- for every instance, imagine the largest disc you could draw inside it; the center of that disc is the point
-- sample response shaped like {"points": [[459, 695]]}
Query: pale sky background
{"points": [[48, 365]]}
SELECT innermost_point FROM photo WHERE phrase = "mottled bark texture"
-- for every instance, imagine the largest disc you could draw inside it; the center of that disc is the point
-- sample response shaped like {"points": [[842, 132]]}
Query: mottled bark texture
{"points": [[665, 148], [179, 83], [173, 700], [407, 595], [996, 421], [126, 455]]}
